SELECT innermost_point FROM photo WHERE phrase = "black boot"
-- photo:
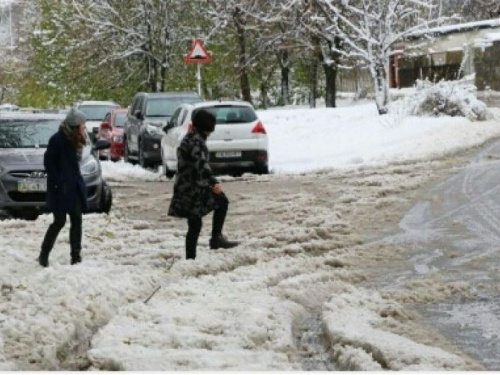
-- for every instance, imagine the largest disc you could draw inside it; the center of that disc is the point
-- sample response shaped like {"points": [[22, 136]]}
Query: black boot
{"points": [[43, 258], [221, 242], [75, 257]]}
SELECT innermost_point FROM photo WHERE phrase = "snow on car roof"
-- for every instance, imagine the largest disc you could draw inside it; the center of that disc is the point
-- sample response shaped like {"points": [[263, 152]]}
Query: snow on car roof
{"points": [[97, 102], [213, 103], [31, 116]]}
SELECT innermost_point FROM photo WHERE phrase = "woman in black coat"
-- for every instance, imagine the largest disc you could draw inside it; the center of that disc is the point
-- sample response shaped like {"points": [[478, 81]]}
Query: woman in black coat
{"points": [[196, 191], [66, 191]]}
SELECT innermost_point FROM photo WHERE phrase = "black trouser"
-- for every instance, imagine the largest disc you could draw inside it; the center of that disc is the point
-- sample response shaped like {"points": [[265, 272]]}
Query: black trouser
{"points": [[75, 230], [195, 223]]}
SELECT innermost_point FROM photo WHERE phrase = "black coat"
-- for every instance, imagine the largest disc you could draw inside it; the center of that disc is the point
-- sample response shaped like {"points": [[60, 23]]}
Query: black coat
{"points": [[194, 179], [64, 180]]}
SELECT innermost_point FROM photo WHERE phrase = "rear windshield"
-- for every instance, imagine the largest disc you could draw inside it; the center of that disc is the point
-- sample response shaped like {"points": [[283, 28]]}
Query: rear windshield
{"points": [[232, 114], [96, 112], [165, 107], [27, 133], [120, 119]]}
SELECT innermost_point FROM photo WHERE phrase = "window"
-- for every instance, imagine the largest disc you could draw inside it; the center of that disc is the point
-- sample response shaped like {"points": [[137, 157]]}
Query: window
{"points": [[27, 133], [231, 114]]}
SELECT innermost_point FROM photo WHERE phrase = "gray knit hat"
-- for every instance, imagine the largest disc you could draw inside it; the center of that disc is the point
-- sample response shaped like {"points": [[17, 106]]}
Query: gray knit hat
{"points": [[75, 118]]}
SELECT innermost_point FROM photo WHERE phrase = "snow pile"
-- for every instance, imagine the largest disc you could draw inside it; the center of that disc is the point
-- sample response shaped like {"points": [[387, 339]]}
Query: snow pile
{"points": [[122, 172], [450, 98]]}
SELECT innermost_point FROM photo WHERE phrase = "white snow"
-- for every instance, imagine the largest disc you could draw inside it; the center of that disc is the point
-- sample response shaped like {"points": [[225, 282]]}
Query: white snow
{"points": [[228, 310]]}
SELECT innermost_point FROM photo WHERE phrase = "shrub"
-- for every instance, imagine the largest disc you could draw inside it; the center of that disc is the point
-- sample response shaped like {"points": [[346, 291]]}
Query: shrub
{"points": [[450, 98]]}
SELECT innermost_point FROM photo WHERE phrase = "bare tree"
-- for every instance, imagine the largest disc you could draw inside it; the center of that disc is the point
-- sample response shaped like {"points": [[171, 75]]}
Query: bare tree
{"points": [[369, 29], [145, 33], [472, 10]]}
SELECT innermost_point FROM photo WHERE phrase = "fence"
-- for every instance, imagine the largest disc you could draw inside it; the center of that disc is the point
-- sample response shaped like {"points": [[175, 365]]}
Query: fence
{"points": [[354, 80]]}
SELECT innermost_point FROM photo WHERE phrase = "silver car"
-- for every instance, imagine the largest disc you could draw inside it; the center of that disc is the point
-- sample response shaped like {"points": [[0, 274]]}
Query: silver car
{"points": [[23, 183]]}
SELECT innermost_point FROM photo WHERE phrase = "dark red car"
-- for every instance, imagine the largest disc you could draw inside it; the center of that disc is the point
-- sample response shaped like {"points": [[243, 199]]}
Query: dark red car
{"points": [[111, 129]]}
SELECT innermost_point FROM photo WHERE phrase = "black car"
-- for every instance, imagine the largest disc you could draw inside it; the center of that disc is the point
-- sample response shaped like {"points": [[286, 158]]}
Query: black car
{"points": [[23, 180], [146, 117]]}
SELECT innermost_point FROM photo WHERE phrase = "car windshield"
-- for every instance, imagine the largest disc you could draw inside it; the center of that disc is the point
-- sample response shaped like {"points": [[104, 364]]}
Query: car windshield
{"points": [[231, 114], [120, 119], [165, 107], [27, 133], [96, 112]]}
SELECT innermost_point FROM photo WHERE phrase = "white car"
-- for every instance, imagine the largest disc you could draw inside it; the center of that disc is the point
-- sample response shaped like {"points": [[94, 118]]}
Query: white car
{"points": [[238, 144], [8, 108], [95, 111]]}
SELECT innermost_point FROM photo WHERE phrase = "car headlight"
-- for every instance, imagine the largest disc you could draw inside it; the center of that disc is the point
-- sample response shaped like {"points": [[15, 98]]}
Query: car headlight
{"points": [[153, 130], [118, 139], [89, 168]]}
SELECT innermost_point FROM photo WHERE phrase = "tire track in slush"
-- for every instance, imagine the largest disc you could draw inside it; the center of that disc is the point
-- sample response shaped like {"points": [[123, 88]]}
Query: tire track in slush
{"points": [[490, 223]]}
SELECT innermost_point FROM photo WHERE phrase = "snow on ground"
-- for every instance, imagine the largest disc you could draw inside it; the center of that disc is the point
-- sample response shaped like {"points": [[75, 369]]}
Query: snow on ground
{"points": [[124, 172], [231, 309]]}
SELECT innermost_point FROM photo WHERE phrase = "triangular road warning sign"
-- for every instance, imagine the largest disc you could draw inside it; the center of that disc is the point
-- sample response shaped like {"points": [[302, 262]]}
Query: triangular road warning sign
{"points": [[198, 54]]}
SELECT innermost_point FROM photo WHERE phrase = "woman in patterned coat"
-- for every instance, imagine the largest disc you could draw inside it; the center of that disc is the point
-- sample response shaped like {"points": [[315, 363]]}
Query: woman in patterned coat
{"points": [[196, 191]]}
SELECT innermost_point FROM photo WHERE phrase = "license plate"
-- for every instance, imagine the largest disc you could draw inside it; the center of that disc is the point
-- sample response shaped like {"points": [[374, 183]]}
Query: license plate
{"points": [[28, 186], [228, 154]]}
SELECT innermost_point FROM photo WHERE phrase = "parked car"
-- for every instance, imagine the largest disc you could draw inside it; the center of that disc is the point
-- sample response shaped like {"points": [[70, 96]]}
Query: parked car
{"points": [[23, 180], [238, 144], [147, 115], [8, 107], [95, 111], [111, 129]]}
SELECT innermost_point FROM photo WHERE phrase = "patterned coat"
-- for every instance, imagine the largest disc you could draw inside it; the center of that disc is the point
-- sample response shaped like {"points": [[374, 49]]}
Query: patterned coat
{"points": [[194, 179]]}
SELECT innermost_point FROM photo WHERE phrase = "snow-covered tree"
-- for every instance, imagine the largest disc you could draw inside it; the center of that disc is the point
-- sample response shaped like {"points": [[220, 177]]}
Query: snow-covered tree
{"points": [[472, 10], [369, 30]]}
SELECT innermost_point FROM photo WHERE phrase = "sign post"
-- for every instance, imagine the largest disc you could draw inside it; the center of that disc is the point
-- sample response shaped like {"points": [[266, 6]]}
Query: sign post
{"points": [[198, 55]]}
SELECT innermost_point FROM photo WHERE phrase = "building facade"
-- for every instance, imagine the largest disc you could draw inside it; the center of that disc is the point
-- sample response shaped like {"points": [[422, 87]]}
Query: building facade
{"points": [[449, 53]]}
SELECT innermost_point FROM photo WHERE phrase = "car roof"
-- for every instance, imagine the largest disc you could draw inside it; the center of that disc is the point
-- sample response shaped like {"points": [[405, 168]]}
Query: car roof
{"points": [[97, 102], [213, 103], [169, 94], [31, 116]]}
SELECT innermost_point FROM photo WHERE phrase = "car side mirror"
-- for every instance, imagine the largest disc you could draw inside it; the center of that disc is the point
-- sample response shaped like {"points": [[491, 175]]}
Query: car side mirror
{"points": [[105, 125], [138, 114], [101, 144], [169, 126]]}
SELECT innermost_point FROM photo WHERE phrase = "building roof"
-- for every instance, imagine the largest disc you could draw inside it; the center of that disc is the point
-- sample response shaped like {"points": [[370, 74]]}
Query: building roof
{"points": [[457, 28]]}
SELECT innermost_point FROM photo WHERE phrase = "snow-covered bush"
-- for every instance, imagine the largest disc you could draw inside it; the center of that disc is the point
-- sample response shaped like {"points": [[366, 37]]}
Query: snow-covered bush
{"points": [[451, 98]]}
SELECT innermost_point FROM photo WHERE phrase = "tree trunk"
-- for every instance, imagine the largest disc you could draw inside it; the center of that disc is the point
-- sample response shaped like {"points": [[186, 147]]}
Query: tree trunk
{"points": [[242, 58], [317, 58], [284, 62], [163, 74], [331, 71], [263, 95], [379, 74], [313, 94], [331, 85]]}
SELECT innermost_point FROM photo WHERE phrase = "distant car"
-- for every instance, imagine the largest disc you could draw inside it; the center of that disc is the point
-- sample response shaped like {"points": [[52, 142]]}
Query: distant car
{"points": [[111, 129], [147, 115], [238, 144], [8, 108], [23, 180], [95, 111]]}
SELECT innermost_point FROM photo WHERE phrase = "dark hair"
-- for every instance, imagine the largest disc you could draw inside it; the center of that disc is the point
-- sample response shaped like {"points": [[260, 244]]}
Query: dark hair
{"points": [[204, 121]]}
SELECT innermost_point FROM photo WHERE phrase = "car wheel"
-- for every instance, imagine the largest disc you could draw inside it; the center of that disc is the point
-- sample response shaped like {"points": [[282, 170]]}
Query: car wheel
{"points": [[142, 160], [168, 173], [30, 215], [262, 169], [126, 152], [106, 198]]}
